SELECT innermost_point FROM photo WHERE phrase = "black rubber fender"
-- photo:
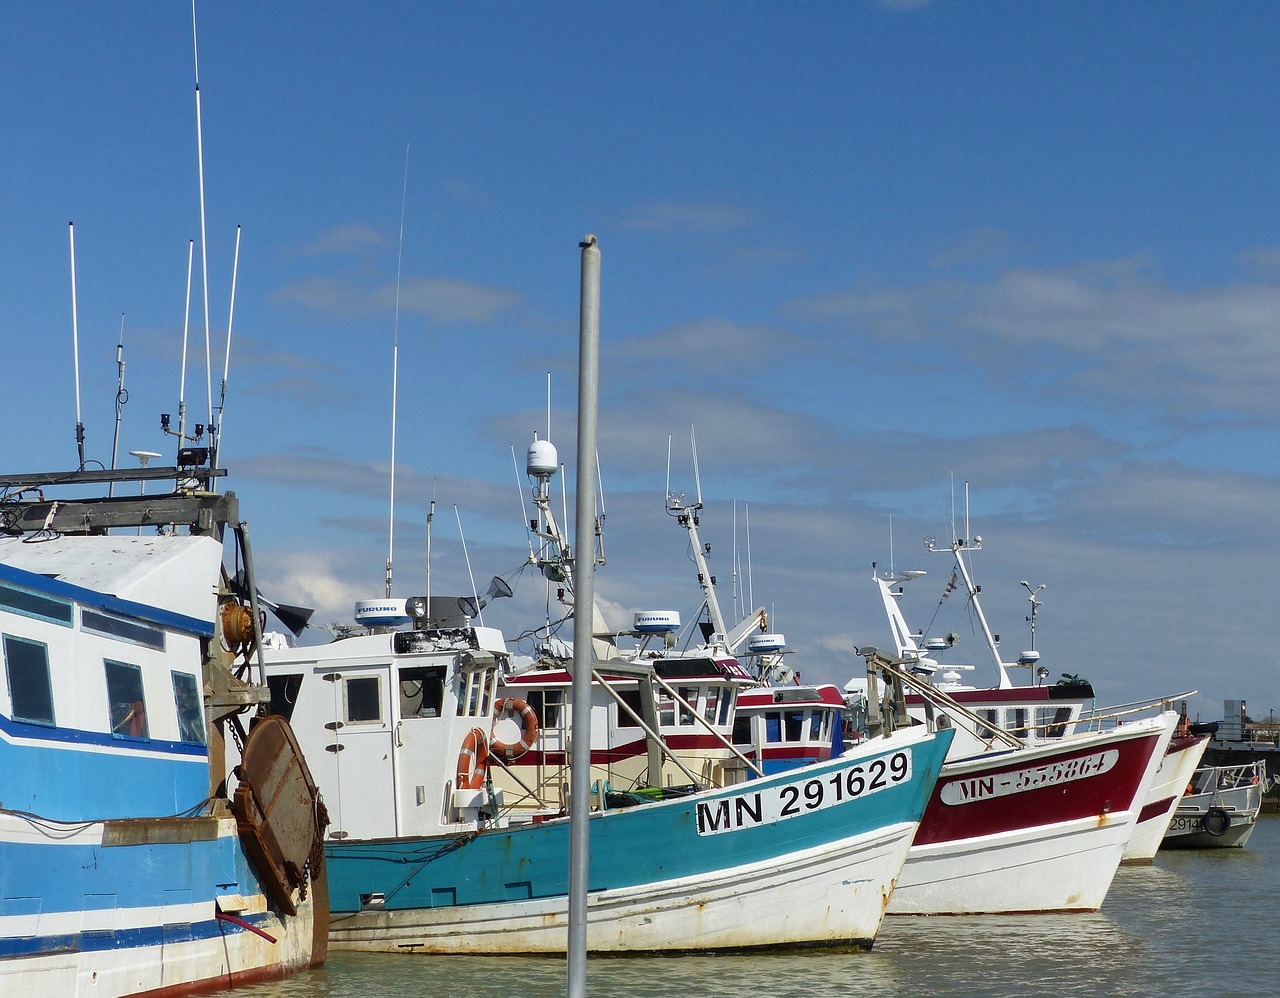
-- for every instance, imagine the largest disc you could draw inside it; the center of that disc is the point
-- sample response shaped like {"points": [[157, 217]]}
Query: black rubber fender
{"points": [[1216, 821]]}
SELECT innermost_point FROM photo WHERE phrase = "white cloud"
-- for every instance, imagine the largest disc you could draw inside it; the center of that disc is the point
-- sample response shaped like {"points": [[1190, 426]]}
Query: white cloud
{"points": [[662, 216]]}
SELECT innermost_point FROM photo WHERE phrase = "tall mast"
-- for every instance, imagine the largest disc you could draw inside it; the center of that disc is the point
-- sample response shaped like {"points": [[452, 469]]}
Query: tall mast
{"points": [[584, 595]]}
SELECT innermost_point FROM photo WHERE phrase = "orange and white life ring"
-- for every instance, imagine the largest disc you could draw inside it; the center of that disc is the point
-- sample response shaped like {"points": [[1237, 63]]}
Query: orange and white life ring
{"points": [[473, 761], [514, 706]]}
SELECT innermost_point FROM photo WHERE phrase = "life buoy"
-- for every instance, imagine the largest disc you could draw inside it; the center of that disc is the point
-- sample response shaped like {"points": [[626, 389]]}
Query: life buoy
{"points": [[514, 706], [473, 761], [1215, 821]]}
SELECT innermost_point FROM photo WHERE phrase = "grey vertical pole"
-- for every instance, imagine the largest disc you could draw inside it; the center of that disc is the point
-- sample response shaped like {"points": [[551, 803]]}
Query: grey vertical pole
{"points": [[583, 599]]}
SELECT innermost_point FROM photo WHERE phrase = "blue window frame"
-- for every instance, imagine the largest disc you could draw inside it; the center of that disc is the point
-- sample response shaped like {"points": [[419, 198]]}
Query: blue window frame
{"points": [[126, 701], [186, 698], [30, 688]]}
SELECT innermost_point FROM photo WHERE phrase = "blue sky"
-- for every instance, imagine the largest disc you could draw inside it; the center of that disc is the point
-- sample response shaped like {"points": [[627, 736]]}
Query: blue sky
{"points": [[865, 249]]}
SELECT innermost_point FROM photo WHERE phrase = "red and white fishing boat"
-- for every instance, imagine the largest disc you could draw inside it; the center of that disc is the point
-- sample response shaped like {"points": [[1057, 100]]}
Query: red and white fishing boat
{"points": [[1035, 710], [1041, 828], [1020, 827]]}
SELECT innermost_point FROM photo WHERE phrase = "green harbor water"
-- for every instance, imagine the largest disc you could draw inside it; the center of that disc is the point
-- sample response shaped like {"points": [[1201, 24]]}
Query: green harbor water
{"points": [[1194, 923]]}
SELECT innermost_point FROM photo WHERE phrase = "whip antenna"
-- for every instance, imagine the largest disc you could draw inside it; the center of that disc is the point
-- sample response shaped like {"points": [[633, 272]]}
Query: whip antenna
{"points": [[75, 345], [121, 398], [697, 475], [216, 440], [395, 375], [186, 329], [475, 593], [204, 239]]}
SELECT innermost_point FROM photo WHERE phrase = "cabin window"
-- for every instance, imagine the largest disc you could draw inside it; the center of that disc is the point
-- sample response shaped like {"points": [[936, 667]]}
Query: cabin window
{"points": [[421, 692], [364, 699], [815, 725], [992, 719], [666, 712], [477, 693], [773, 726], [126, 701], [709, 708], [186, 697], [1052, 721], [122, 628], [284, 694], [726, 705], [794, 725], [690, 695], [30, 691], [36, 605], [742, 730], [632, 699], [547, 706], [1016, 720]]}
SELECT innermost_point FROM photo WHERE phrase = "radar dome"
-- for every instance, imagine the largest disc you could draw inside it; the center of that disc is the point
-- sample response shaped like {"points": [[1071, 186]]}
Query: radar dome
{"points": [[543, 461]]}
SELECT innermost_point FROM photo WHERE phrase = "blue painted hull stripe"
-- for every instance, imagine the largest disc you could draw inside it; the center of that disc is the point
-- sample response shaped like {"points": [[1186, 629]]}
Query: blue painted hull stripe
{"points": [[11, 730], [103, 601], [151, 935], [64, 877]]}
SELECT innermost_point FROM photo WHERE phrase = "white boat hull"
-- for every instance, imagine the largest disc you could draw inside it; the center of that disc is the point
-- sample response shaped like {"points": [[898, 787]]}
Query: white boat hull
{"points": [[1064, 868], [1040, 829], [835, 894], [1175, 772]]}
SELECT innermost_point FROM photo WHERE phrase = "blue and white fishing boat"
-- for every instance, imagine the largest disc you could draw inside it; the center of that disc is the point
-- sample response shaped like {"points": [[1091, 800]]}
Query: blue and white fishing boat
{"points": [[126, 867], [425, 856]]}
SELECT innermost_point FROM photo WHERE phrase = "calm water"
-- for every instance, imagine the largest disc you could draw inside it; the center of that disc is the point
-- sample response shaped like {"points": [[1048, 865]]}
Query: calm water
{"points": [[1195, 923]]}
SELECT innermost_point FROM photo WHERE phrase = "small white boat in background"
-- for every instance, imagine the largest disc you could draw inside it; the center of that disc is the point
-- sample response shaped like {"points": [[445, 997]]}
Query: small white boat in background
{"points": [[1219, 808]]}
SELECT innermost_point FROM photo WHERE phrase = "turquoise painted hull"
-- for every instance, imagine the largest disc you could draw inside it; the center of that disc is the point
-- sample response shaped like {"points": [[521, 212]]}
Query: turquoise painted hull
{"points": [[828, 820]]}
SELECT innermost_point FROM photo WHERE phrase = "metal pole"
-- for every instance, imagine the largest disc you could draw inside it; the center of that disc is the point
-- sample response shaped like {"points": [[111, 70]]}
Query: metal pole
{"points": [[584, 597]]}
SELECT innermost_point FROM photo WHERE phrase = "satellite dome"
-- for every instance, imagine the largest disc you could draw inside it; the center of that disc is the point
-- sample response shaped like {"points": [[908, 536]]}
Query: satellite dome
{"points": [[543, 461]]}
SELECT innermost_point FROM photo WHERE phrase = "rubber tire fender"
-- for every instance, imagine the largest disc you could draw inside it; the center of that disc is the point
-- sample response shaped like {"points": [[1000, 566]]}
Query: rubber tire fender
{"points": [[1216, 821]]}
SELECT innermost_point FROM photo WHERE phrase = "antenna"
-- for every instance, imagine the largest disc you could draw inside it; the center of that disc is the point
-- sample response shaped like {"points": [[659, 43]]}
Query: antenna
{"points": [[395, 377], [186, 326], [600, 517], [967, 536], [564, 502], [751, 591], [524, 509], [215, 437], [204, 239], [479, 609], [431, 515], [121, 398], [75, 345], [668, 468], [548, 406], [738, 614], [697, 476]]}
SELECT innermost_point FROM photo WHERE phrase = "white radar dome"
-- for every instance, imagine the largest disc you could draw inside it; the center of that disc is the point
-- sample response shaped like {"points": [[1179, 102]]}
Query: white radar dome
{"points": [[543, 461], [763, 644], [382, 613], [657, 621]]}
